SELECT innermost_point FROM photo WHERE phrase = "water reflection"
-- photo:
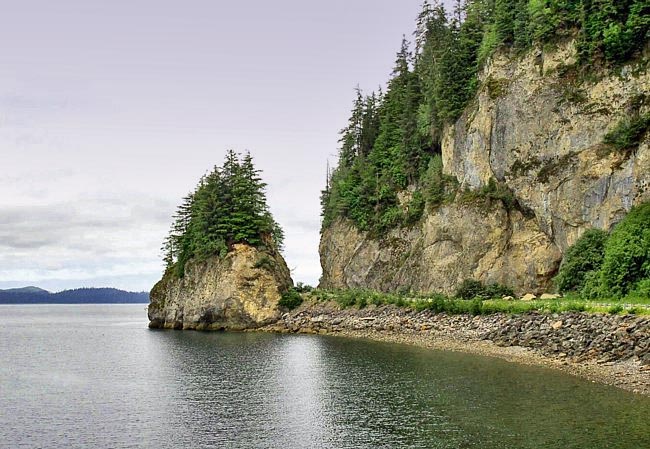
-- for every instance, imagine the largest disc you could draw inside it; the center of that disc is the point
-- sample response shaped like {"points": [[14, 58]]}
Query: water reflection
{"points": [[115, 384], [307, 391]]}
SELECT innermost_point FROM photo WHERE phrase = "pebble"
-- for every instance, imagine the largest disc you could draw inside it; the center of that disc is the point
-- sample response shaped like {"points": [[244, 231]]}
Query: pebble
{"points": [[570, 337]]}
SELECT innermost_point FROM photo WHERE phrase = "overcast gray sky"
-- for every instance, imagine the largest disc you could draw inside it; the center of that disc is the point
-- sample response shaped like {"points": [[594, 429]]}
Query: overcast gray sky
{"points": [[110, 111]]}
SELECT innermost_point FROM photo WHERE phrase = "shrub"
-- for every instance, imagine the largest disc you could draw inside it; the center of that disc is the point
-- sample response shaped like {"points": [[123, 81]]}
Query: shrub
{"points": [[347, 298], [376, 299], [321, 295], [628, 133], [497, 291], [593, 287], [476, 306], [496, 87], [290, 300], [614, 310], [555, 166], [497, 191], [627, 253], [491, 193], [439, 304], [576, 95], [303, 288], [584, 256], [415, 208], [471, 289], [642, 290], [265, 262]]}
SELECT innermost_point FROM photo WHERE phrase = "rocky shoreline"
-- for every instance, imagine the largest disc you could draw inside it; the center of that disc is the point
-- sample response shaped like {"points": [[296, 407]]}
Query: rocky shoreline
{"points": [[611, 349]]}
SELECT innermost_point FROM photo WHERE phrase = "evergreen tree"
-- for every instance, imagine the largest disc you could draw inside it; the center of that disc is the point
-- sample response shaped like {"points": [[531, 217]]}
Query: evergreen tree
{"points": [[435, 33], [369, 124], [391, 139], [227, 207], [396, 152], [351, 135], [504, 19], [521, 27]]}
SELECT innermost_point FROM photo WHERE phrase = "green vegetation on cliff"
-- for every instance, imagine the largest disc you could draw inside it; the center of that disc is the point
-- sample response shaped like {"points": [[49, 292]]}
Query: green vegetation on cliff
{"points": [[393, 139], [628, 134], [585, 256], [602, 266], [228, 206]]}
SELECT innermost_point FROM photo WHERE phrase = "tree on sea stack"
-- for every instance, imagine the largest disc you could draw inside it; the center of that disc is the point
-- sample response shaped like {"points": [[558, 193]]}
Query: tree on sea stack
{"points": [[223, 263], [227, 207]]}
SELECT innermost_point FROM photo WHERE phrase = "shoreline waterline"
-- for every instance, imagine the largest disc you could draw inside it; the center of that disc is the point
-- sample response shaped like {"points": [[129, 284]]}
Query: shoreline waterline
{"points": [[441, 332]]}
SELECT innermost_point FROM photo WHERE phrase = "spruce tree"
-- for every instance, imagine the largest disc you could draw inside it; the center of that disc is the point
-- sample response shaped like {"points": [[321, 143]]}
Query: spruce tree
{"points": [[437, 37], [369, 124], [227, 207], [504, 17], [351, 135], [390, 139]]}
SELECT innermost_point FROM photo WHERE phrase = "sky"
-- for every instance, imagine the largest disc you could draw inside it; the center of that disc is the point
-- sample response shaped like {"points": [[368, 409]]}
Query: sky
{"points": [[110, 112]]}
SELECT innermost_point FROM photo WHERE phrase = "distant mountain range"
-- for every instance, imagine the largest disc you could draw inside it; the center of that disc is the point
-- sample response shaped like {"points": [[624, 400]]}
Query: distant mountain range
{"points": [[35, 295]]}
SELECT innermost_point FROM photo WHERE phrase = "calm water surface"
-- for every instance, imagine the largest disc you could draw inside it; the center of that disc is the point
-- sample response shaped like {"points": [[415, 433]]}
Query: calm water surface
{"points": [[96, 377]]}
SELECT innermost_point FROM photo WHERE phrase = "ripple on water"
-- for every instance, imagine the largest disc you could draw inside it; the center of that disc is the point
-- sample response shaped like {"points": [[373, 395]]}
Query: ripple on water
{"points": [[94, 376]]}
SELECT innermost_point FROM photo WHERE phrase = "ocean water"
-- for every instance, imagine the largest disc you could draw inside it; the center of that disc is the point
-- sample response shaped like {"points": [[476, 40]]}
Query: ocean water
{"points": [[94, 376]]}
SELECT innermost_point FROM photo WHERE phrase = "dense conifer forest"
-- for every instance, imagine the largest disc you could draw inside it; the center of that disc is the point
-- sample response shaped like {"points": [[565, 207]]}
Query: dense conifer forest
{"points": [[392, 139], [228, 206], [33, 295]]}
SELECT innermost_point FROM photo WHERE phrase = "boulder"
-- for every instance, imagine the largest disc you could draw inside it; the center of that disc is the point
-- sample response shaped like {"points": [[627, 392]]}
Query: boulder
{"points": [[550, 296]]}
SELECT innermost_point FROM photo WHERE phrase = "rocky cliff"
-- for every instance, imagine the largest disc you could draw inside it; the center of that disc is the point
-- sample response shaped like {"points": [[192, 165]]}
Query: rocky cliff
{"points": [[236, 292], [536, 127]]}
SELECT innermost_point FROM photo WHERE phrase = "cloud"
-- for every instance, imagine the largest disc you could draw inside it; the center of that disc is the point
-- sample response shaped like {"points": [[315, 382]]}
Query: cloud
{"points": [[114, 238], [295, 224], [76, 242], [67, 223], [13, 100]]}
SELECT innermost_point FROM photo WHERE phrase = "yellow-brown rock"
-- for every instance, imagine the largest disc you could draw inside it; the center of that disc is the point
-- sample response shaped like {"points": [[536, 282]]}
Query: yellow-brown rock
{"points": [[238, 291]]}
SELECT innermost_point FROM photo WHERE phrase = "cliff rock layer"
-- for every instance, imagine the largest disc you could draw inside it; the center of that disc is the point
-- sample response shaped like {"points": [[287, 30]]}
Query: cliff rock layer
{"points": [[236, 292], [536, 129]]}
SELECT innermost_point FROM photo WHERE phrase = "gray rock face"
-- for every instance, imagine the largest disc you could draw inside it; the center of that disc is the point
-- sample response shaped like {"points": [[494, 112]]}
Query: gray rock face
{"points": [[534, 131], [237, 292], [543, 137]]}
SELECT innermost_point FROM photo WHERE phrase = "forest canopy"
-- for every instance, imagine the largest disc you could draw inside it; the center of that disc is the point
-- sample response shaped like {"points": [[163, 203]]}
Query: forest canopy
{"points": [[392, 140], [228, 206]]}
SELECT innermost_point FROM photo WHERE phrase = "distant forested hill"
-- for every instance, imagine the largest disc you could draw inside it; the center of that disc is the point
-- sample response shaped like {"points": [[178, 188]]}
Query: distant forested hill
{"points": [[34, 295]]}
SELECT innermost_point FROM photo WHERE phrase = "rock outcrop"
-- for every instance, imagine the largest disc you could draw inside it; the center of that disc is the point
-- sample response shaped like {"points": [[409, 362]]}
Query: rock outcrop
{"points": [[457, 242], [238, 291], [537, 131]]}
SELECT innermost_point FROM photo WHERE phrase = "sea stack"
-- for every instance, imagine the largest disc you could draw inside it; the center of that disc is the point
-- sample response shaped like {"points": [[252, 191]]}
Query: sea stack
{"points": [[238, 291], [224, 267]]}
